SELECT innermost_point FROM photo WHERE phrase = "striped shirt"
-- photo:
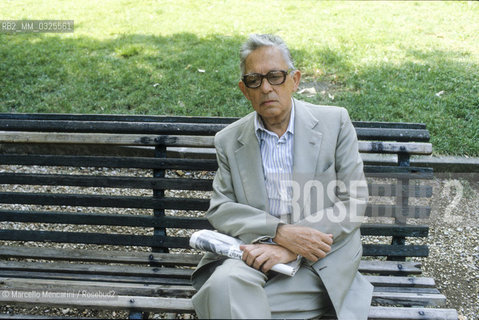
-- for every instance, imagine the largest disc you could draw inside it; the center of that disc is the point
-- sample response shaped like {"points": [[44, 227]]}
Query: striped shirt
{"points": [[277, 159]]}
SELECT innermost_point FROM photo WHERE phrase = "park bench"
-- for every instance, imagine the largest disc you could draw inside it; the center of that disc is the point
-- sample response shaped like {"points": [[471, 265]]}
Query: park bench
{"points": [[96, 210]]}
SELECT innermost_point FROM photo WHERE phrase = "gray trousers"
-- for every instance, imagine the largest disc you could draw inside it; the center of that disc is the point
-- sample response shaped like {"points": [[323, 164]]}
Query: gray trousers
{"points": [[238, 291]]}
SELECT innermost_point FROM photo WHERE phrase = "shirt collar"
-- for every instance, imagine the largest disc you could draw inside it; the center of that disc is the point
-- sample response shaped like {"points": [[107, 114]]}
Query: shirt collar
{"points": [[259, 126]]}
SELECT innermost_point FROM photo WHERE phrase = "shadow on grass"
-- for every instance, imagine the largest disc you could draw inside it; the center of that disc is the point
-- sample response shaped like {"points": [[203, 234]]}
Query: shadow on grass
{"points": [[181, 75]]}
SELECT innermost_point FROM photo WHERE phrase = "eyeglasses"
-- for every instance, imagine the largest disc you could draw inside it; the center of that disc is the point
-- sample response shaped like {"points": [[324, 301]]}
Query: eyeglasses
{"points": [[274, 77]]}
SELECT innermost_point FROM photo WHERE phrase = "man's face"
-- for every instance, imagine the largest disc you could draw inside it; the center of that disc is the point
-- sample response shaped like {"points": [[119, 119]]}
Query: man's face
{"points": [[271, 102]]}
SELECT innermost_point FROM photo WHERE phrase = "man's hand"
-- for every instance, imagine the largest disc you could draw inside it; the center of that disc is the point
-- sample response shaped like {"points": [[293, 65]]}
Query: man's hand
{"points": [[307, 242], [264, 256]]}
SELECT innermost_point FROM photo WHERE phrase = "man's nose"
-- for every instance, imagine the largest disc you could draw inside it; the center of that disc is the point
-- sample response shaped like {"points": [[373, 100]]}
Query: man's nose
{"points": [[266, 86]]}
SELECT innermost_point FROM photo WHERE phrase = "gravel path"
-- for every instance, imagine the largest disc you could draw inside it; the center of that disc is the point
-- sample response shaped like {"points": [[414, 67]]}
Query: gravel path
{"points": [[454, 244]]}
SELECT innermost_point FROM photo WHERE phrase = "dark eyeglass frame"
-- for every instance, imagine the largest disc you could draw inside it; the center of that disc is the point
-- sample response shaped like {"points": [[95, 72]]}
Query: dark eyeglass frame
{"points": [[263, 76]]}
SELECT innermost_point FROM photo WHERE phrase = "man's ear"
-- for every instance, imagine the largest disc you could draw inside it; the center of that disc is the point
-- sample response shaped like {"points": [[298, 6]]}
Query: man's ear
{"points": [[243, 89], [296, 79]]}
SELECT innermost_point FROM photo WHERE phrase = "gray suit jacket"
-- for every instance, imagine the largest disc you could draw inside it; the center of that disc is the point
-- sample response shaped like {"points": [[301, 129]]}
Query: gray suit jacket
{"points": [[326, 152]]}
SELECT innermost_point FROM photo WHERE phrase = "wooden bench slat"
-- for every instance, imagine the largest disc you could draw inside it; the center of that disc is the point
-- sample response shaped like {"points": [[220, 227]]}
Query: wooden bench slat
{"points": [[366, 266], [106, 219], [395, 250], [176, 242], [391, 149], [177, 119], [177, 222], [135, 118], [148, 151], [418, 295], [89, 200], [93, 200], [185, 164], [123, 288], [365, 130], [403, 313], [392, 211], [95, 277], [110, 162], [106, 181], [414, 290], [410, 299], [148, 304], [95, 238], [183, 291], [77, 268], [391, 190], [124, 127], [108, 139], [165, 135], [375, 189], [177, 290], [390, 267], [395, 147], [393, 134], [394, 230], [398, 172], [157, 289], [109, 150], [397, 281], [181, 141], [126, 257], [174, 163], [365, 147], [389, 125]]}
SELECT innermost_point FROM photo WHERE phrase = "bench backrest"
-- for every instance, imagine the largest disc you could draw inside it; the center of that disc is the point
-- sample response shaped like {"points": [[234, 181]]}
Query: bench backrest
{"points": [[146, 180]]}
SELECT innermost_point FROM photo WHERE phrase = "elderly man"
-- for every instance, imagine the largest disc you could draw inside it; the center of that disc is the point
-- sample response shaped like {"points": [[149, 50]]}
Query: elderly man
{"points": [[290, 182]]}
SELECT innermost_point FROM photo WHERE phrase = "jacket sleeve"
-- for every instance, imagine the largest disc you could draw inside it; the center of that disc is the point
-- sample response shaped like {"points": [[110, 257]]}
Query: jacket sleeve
{"points": [[229, 216]]}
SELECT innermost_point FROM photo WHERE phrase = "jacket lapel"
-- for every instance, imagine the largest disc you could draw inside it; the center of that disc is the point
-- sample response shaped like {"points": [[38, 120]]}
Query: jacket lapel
{"points": [[250, 166], [307, 140], [307, 143]]}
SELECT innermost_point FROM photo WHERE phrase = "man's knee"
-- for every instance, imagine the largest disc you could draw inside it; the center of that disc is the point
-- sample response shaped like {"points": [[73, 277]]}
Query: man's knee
{"points": [[232, 286], [234, 274]]}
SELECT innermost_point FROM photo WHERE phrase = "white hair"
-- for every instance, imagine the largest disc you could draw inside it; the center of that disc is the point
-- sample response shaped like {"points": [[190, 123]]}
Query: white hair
{"points": [[256, 41]]}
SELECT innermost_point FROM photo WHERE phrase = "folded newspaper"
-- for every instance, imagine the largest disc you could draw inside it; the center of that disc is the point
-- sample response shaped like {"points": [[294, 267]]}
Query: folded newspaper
{"points": [[222, 244]]}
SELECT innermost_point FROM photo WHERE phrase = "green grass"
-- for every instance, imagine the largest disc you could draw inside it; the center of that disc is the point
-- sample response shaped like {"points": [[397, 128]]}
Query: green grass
{"points": [[383, 61]]}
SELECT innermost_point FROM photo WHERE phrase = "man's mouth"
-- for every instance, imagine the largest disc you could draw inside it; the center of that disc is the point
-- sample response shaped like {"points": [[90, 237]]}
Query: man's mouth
{"points": [[267, 102]]}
